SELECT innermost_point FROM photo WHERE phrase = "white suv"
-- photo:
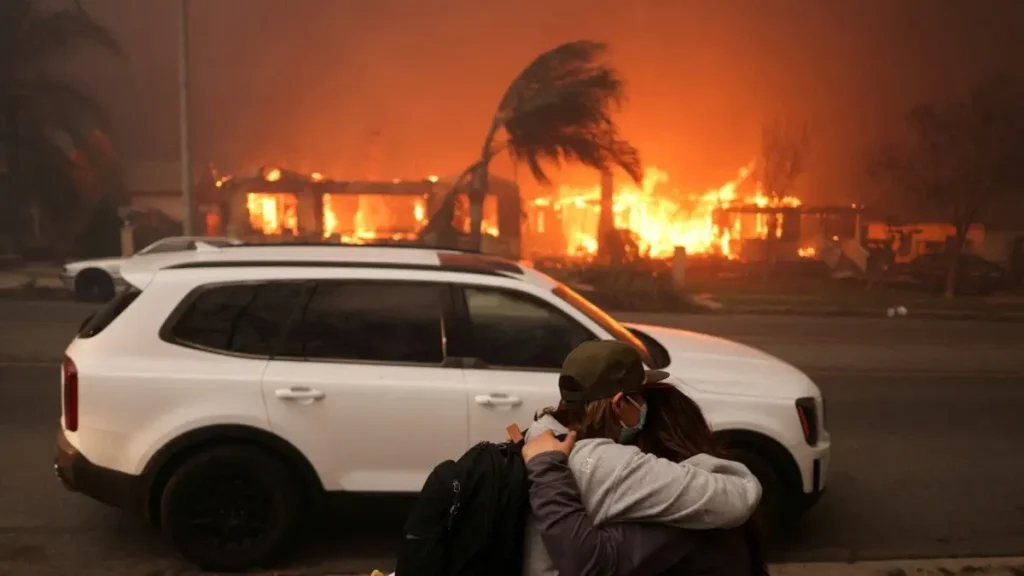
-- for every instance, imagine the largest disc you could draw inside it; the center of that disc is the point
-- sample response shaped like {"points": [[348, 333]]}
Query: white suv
{"points": [[227, 390]]}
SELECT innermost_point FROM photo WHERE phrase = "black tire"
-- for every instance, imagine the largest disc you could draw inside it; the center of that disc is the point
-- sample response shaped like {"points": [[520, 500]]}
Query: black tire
{"points": [[230, 509], [94, 285], [777, 513]]}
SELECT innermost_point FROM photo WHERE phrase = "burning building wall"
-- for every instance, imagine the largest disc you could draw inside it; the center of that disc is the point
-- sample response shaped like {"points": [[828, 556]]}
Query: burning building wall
{"points": [[273, 203]]}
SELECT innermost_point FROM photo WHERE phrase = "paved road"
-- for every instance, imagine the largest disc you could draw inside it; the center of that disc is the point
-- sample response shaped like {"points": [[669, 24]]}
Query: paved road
{"points": [[39, 331], [923, 466]]}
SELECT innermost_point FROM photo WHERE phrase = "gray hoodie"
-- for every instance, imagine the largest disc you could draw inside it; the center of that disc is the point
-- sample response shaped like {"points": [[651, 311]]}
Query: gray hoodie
{"points": [[620, 483]]}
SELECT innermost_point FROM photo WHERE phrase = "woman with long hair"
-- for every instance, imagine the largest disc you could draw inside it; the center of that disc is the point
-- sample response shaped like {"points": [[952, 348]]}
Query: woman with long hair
{"points": [[676, 430], [605, 506]]}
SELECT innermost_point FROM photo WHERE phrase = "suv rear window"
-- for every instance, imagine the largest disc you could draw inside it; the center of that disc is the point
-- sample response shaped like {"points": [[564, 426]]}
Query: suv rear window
{"points": [[240, 318], [100, 320]]}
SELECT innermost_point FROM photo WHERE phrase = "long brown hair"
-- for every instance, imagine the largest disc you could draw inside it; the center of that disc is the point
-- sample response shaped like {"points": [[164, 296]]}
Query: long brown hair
{"points": [[676, 430]]}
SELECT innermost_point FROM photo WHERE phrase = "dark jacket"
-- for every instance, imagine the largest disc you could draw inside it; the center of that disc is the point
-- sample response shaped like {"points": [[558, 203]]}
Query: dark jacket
{"points": [[578, 548]]}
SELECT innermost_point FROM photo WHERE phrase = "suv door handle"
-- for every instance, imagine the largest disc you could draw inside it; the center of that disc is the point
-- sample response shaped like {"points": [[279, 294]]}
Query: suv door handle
{"points": [[310, 395], [498, 399]]}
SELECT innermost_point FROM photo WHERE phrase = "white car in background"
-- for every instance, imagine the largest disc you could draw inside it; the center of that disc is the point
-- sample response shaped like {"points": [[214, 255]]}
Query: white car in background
{"points": [[226, 391], [97, 280]]}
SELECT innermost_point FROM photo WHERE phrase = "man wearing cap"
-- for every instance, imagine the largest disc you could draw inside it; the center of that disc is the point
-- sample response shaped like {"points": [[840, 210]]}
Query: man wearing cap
{"points": [[623, 507]]}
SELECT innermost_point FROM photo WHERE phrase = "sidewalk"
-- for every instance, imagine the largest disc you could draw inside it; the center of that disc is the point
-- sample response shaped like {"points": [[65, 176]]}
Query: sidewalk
{"points": [[927, 567], [41, 283], [32, 277]]}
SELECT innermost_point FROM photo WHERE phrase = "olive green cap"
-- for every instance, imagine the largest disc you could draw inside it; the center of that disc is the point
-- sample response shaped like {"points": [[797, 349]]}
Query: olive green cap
{"points": [[600, 369]]}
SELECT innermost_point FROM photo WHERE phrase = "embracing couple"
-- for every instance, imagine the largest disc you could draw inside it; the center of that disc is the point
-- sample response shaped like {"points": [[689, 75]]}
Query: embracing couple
{"points": [[622, 478], [638, 485]]}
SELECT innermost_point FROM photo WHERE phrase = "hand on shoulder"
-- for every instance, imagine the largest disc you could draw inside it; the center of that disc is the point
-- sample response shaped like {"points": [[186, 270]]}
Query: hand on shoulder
{"points": [[546, 442]]}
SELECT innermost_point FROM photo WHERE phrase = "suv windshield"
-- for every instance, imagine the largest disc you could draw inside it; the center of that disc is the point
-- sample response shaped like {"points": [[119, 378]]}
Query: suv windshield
{"points": [[603, 320]]}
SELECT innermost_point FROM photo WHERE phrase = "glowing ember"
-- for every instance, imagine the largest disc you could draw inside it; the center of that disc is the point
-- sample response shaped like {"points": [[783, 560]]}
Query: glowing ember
{"points": [[661, 217]]}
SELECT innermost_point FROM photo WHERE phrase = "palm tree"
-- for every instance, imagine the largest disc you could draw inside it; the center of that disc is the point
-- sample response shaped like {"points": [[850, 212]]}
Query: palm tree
{"points": [[559, 109], [45, 117]]}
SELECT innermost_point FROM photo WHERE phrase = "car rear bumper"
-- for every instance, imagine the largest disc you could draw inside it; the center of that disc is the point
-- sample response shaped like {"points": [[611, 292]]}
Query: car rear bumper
{"points": [[78, 474]]}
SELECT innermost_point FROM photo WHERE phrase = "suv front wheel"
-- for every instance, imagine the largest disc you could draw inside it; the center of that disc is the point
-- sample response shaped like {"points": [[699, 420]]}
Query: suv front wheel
{"points": [[230, 508], [775, 513]]}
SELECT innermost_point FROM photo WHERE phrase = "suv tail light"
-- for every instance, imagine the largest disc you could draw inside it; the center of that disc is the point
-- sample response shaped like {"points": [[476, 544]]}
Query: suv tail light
{"points": [[70, 394], [806, 409]]}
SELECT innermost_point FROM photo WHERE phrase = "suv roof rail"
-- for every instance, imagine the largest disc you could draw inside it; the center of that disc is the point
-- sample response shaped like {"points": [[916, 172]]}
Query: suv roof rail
{"points": [[307, 244], [468, 268]]}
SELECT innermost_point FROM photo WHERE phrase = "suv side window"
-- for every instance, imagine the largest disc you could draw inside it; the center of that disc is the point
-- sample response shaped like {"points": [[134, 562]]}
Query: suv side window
{"points": [[394, 322], [246, 318], [515, 330]]}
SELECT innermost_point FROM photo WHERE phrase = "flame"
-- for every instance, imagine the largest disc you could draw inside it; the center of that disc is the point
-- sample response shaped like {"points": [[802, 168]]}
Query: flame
{"points": [[272, 214], [662, 218], [364, 219]]}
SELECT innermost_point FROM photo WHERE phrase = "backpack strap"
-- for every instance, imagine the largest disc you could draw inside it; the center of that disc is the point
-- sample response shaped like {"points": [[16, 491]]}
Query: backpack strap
{"points": [[514, 433]]}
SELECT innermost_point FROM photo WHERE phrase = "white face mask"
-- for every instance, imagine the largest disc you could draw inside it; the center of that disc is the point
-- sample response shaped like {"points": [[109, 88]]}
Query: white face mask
{"points": [[629, 433]]}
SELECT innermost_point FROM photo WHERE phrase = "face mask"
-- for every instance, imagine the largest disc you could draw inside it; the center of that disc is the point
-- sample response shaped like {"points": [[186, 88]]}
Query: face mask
{"points": [[629, 433]]}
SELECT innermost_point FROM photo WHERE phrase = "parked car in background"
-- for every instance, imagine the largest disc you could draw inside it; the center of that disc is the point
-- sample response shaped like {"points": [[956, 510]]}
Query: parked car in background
{"points": [[98, 280], [226, 391]]}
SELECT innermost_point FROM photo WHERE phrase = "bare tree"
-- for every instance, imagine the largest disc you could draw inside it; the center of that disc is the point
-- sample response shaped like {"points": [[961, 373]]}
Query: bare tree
{"points": [[958, 159], [783, 160]]}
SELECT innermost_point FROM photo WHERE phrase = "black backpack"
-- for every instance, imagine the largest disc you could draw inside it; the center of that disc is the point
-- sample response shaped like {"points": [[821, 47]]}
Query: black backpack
{"points": [[470, 517]]}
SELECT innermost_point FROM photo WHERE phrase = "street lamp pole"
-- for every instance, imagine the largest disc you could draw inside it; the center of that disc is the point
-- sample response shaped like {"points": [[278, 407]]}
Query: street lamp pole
{"points": [[188, 209]]}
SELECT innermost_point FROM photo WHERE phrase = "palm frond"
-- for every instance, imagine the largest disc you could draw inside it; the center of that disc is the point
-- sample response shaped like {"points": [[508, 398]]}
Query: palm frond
{"points": [[50, 34], [63, 105], [560, 110], [549, 68]]}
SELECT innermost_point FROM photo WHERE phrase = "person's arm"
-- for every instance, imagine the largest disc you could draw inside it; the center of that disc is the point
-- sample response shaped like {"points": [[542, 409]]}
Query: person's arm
{"points": [[620, 483], [579, 548]]}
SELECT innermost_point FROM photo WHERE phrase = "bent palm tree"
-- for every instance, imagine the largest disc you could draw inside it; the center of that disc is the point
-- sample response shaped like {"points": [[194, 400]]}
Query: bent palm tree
{"points": [[559, 109], [45, 116]]}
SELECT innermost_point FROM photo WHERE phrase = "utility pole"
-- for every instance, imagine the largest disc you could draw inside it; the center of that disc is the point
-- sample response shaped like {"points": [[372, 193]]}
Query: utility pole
{"points": [[188, 209]]}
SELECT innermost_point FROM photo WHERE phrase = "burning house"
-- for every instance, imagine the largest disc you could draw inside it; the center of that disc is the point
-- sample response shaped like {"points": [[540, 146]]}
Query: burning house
{"points": [[733, 221], [276, 204]]}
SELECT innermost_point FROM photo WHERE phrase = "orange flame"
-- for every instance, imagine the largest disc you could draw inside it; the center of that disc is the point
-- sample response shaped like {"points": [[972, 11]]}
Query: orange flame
{"points": [[662, 218], [273, 213], [364, 219]]}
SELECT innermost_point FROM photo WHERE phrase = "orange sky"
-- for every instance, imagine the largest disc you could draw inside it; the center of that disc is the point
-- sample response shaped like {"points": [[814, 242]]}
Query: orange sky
{"points": [[303, 83]]}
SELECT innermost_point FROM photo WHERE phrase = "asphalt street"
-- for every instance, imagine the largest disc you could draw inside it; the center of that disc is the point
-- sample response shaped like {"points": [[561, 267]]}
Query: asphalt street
{"points": [[926, 455]]}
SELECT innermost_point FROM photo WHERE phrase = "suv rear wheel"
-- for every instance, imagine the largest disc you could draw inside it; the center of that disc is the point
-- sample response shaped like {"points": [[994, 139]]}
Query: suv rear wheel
{"points": [[230, 508]]}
